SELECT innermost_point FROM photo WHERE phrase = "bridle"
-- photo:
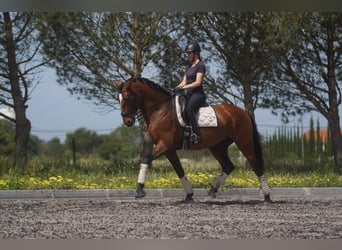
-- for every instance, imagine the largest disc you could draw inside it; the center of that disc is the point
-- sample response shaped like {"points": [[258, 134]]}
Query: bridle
{"points": [[134, 113]]}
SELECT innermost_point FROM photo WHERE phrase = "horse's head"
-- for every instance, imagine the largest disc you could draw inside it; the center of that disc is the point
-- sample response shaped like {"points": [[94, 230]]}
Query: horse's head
{"points": [[127, 101]]}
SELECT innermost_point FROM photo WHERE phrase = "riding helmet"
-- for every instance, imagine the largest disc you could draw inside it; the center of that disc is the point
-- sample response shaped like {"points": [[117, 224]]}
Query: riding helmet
{"points": [[193, 47]]}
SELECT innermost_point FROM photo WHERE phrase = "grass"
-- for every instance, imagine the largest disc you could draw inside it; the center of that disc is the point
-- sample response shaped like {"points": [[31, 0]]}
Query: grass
{"points": [[98, 174]]}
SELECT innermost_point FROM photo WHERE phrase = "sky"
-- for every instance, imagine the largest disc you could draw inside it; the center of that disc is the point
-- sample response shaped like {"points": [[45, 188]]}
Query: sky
{"points": [[54, 112]]}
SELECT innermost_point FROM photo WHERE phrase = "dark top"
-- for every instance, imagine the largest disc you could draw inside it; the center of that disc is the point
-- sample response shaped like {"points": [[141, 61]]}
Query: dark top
{"points": [[191, 76]]}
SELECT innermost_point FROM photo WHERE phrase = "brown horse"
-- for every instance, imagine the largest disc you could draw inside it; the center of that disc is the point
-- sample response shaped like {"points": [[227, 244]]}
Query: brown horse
{"points": [[142, 97]]}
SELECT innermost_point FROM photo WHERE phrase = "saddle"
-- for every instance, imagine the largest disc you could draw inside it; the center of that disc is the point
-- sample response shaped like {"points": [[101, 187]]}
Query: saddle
{"points": [[206, 117]]}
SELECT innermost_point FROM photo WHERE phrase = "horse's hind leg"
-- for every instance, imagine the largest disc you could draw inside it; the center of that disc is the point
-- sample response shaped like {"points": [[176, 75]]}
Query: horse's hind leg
{"points": [[220, 153], [254, 157]]}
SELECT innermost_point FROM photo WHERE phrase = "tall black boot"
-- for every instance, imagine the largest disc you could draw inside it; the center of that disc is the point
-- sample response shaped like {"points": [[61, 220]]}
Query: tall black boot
{"points": [[195, 135]]}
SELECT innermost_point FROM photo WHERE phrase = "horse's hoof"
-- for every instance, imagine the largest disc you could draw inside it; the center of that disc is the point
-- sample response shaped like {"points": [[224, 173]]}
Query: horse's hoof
{"points": [[188, 198], [267, 198], [212, 192], [140, 194]]}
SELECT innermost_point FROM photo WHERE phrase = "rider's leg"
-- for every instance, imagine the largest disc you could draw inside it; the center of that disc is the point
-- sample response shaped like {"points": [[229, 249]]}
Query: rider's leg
{"points": [[194, 103]]}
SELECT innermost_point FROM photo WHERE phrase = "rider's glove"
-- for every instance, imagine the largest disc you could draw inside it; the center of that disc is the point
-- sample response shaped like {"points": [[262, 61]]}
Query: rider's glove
{"points": [[178, 90]]}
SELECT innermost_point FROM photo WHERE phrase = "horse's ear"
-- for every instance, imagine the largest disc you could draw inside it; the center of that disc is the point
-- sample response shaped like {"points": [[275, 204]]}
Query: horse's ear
{"points": [[118, 84]]}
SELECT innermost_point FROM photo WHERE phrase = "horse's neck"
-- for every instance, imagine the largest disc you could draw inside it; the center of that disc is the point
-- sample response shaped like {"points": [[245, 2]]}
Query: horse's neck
{"points": [[150, 100], [150, 104]]}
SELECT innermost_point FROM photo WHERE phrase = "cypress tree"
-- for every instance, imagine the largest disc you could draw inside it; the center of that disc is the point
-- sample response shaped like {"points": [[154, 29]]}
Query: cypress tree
{"points": [[311, 138]]}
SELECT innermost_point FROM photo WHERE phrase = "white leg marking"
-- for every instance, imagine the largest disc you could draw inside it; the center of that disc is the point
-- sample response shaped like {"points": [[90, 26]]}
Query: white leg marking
{"points": [[142, 173], [264, 186], [220, 180], [186, 185]]}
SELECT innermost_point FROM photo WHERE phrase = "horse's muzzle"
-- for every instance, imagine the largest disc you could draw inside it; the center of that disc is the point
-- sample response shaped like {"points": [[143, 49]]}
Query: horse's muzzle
{"points": [[128, 118], [129, 121]]}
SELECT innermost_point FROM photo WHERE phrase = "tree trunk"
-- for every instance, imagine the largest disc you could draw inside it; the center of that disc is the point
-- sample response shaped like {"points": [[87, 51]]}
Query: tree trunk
{"points": [[336, 140], [333, 116], [247, 71], [22, 124]]}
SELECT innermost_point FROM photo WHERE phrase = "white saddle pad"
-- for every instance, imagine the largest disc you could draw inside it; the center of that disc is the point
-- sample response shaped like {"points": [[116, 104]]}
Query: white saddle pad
{"points": [[206, 116]]}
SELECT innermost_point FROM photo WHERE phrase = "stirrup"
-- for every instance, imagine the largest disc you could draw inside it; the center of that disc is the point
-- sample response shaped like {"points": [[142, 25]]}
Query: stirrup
{"points": [[194, 138]]}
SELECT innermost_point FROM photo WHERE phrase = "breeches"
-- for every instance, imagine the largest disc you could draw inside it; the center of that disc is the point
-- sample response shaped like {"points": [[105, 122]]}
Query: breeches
{"points": [[195, 101]]}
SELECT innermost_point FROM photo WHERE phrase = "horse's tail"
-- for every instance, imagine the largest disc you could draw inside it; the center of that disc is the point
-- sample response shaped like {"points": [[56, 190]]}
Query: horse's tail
{"points": [[257, 146]]}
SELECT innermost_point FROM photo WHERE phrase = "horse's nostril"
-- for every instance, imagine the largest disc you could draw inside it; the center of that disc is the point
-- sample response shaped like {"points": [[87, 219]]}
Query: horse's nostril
{"points": [[129, 122]]}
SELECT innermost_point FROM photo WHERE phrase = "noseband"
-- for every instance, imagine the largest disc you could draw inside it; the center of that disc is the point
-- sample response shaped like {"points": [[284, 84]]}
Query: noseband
{"points": [[124, 114]]}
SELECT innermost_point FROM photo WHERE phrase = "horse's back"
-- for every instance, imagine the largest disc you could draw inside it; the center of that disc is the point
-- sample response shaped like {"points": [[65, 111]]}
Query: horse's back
{"points": [[230, 112]]}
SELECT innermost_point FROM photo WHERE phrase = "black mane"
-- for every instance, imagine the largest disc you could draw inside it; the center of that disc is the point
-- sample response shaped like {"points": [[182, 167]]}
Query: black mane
{"points": [[151, 84]]}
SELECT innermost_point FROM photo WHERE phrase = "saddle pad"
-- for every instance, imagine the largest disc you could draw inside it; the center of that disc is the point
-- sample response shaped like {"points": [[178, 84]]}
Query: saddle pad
{"points": [[206, 116]]}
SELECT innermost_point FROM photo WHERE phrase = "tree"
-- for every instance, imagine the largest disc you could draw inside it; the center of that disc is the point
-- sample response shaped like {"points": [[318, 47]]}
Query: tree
{"points": [[238, 46], [312, 139], [91, 50], [122, 144], [54, 148], [309, 69], [19, 62], [86, 141]]}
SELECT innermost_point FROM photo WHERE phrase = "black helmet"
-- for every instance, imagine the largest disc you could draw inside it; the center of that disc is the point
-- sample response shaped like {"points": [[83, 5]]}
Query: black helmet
{"points": [[192, 47]]}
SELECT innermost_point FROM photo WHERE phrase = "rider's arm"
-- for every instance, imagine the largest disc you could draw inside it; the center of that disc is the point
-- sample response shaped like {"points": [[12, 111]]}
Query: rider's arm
{"points": [[197, 83], [182, 83]]}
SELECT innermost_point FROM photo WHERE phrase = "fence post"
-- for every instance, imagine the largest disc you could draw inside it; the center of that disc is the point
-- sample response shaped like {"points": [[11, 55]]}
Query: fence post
{"points": [[74, 151]]}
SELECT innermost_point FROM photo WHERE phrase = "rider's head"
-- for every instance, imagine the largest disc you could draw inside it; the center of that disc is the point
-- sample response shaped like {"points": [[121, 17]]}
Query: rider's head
{"points": [[193, 49]]}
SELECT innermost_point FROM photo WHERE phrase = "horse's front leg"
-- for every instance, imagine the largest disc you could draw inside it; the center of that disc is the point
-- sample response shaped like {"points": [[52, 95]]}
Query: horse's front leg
{"points": [[174, 160], [148, 154], [145, 161]]}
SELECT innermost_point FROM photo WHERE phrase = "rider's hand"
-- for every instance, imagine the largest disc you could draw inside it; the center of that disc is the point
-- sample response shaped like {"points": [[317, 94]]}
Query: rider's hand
{"points": [[178, 90]]}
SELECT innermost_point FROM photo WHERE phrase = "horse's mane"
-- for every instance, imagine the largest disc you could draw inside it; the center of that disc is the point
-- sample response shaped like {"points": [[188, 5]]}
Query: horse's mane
{"points": [[150, 83]]}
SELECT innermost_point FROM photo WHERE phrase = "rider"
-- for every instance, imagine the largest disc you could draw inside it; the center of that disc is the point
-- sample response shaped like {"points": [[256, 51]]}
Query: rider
{"points": [[192, 83]]}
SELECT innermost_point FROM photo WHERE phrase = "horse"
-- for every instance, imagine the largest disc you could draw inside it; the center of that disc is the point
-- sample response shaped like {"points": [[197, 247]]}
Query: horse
{"points": [[149, 101]]}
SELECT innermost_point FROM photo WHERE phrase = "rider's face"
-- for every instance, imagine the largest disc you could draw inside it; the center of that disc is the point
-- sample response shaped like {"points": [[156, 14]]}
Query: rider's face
{"points": [[191, 56]]}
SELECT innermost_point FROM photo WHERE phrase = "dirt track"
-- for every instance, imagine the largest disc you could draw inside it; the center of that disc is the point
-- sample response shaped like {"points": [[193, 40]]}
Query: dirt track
{"points": [[171, 219]]}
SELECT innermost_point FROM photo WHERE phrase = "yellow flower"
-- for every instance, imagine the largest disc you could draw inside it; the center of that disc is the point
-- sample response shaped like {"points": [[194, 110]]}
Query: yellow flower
{"points": [[33, 181], [45, 183], [52, 179]]}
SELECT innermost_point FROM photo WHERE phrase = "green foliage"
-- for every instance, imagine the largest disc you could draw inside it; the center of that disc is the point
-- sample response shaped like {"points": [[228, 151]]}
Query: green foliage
{"points": [[53, 148], [91, 174], [92, 49], [7, 134], [290, 151], [84, 141], [34, 145], [124, 143]]}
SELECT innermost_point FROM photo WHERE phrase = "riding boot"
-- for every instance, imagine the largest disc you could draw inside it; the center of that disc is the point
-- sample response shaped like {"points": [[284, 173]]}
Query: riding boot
{"points": [[191, 111], [195, 136]]}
